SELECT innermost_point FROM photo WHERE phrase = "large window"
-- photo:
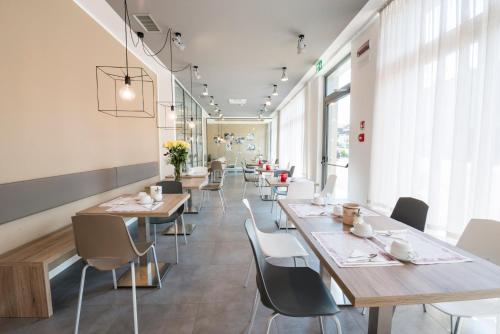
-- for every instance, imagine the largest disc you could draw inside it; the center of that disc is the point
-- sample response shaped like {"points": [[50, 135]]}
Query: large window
{"points": [[291, 134], [436, 120]]}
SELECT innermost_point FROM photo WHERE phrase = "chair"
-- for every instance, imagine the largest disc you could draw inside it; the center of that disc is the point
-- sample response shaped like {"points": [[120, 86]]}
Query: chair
{"points": [[292, 170], [216, 170], [171, 187], [249, 175], [411, 211], [479, 238], [214, 186], [329, 186], [276, 245], [290, 291], [298, 189], [104, 243]]}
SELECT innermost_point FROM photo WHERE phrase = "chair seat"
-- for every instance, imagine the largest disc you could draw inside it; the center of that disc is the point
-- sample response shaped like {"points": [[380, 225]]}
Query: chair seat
{"points": [[164, 220], [211, 186], [298, 292], [281, 245], [471, 308]]}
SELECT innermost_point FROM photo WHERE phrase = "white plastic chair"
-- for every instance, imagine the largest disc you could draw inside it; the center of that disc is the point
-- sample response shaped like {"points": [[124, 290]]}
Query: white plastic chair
{"points": [[275, 245], [479, 238], [329, 186], [298, 189]]}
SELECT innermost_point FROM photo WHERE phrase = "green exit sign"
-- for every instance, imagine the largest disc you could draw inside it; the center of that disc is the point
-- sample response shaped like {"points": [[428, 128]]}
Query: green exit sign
{"points": [[319, 65]]}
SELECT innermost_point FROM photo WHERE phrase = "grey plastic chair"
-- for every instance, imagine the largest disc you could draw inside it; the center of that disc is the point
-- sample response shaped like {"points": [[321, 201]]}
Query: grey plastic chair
{"points": [[249, 176], [216, 170], [104, 243], [214, 186], [411, 211]]}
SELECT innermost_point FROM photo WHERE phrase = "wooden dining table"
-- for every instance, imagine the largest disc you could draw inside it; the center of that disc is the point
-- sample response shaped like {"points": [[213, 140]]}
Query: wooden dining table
{"points": [[381, 288], [145, 273]]}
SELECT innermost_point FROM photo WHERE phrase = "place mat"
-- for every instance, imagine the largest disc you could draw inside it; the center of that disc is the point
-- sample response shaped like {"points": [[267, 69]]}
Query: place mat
{"points": [[134, 207], [122, 200], [349, 251], [427, 251], [311, 210]]}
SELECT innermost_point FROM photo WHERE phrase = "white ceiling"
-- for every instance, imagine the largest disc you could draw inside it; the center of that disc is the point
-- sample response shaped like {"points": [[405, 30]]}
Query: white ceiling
{"points": [[240, 46]]}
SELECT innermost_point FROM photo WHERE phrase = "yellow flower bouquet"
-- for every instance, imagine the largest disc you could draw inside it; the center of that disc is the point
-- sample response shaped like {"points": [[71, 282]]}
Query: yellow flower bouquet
{"points": [[177, 152]]}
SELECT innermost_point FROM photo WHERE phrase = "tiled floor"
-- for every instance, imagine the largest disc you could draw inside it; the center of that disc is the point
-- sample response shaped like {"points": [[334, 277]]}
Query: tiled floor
{"points": [[204, 293]]}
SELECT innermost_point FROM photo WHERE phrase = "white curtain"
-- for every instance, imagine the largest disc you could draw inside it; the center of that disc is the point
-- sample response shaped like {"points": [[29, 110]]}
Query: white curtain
{"points": [[291, 134], [437, 111]]}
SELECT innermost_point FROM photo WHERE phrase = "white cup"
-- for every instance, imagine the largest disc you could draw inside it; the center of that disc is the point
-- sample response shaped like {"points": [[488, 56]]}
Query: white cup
{"points": [[402, 249], [363, 229], [155, 191], [158, 197], [337, 210], [142, 194], [146, 200]]}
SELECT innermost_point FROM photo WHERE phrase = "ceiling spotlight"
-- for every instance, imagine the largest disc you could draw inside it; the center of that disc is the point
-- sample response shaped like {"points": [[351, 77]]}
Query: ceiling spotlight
{"points": [[196, 72], [260, 116], [177, 39], [216, 108], [265, 108], [268, 101], [212, 101], [275, 90], [301, 44], [191, 123], [284, 77], [205, 90]]}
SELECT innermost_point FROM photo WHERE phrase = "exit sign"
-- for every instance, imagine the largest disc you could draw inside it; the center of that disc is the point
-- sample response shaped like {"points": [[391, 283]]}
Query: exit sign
{"points": [[319, 65]]}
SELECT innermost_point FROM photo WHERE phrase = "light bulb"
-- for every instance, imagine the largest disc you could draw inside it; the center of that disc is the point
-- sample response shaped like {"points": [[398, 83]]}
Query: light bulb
{"points": [[275, 90], [205, 90], [126, 92], [284, 77], [172, 115]]}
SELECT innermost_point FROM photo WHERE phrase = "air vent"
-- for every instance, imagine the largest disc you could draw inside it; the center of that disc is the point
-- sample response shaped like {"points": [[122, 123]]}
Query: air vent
{"points": [[240, 102], [147, 22]]}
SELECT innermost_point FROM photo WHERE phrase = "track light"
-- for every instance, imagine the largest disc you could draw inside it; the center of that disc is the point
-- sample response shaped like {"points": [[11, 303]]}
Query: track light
{"points": [[284, 77], [177, 39], [191, 123], [196, 72], [212, 101], [275, 90], [216, 108], [268, 101], [265, 108], [205, 90], [301, 44]]}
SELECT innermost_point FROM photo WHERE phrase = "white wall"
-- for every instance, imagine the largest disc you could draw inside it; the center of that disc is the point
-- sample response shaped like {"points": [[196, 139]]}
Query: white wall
{"points": [[363, 72]]}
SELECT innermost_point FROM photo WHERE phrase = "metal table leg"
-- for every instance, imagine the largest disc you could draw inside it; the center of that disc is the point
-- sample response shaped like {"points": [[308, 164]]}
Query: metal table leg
{"points": [[380, 320], [145, 272], [335, 290], [190, 208]]}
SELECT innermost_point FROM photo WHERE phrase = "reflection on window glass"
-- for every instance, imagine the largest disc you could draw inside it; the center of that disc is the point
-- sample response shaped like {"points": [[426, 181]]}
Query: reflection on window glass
{"points": [[339, 78]]}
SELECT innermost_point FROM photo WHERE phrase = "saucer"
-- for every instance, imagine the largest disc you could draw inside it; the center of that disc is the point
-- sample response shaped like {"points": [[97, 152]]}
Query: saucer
{"points": [[361, 236], [403, 259]]}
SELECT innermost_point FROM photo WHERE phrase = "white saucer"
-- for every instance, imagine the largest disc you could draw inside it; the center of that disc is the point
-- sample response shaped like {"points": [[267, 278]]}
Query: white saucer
{"points": [[362, 236], [407, 259]]}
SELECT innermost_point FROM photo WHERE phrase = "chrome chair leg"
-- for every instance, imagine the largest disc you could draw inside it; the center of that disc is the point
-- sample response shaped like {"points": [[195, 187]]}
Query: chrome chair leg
{"points": [[363, 311], [176, 244], [457, 325], [244, 189], [184, 230], [250, 266], [80, 297], [154, 232], [254, 311], [222, 201], [270, 321], [156, 266], [114, 279], [134, 297], [337, 323], [424, 308], [321, 325]]}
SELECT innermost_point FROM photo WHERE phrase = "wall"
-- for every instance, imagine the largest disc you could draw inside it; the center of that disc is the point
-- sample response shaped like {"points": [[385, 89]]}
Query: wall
{"points": [[363, 72], [240, 130], [48, 111]]}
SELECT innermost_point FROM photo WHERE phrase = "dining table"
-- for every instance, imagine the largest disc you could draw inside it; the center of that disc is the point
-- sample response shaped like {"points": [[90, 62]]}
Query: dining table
{"points": [[263, 171], [381, 288], [145, 272], [189, 182]]}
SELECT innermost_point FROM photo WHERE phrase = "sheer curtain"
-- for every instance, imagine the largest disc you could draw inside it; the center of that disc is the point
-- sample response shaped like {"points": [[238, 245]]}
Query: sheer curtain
{"points": [[437, 112], [291, 134]]}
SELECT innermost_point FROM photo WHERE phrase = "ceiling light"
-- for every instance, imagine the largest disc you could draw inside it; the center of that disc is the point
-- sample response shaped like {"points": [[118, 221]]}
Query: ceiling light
{"points": [[268, 101], [205, 90], [212, 101], [275, 90], [284, 77], [126, 92], [301, 44], [196, 72], [265, 108], [216, 108], [177, 39]]}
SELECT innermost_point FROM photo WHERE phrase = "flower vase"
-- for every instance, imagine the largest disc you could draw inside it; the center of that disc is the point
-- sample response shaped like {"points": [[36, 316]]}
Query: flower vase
{"points": [[177, 172]]}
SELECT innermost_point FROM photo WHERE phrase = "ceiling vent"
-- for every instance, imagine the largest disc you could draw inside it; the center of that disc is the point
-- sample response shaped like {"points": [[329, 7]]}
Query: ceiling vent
{"points": [[147, 23], [240, 102]]}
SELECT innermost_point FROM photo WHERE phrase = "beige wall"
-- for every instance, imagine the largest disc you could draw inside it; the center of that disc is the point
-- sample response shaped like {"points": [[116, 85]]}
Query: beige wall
{"points": [[240, 130], [48, 111]]}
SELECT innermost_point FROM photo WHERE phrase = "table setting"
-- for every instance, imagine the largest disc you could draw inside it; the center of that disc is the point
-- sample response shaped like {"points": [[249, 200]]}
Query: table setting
{"points": [[143, 201]]}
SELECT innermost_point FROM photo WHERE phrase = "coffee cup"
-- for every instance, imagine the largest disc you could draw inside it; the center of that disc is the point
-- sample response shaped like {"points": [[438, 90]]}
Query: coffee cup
{"points": [[155, 191], [402, 249], [158, 197], [146, 200], [363, 229], [349, 210]]}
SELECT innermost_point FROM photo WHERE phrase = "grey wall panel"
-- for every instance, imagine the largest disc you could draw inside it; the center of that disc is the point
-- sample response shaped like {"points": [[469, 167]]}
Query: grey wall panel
{"points": [[24, 198], [134, 173]]}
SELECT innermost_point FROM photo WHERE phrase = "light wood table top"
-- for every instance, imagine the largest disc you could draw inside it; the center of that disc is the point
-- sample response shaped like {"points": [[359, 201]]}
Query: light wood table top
{"points": [[189, 182], [276, 182], [408, 284], [171, 202]]}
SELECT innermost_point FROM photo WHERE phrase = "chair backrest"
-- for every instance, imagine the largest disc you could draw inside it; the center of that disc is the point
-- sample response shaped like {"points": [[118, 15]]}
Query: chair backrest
{"points": [[300, 189], [292, 170], [277, 161], [169, 170], [411, 211], [103, 240], [216, 165], [480, 237], [172, 187], [329, 185]]}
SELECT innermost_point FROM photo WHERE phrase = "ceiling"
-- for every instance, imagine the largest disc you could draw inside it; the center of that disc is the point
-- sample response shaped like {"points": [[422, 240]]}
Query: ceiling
{"points": [[240, 46]]}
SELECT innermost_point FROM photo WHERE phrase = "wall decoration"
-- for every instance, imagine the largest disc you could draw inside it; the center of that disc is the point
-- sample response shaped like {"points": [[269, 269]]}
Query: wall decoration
{"points": [[251, 147], [250, 136]]}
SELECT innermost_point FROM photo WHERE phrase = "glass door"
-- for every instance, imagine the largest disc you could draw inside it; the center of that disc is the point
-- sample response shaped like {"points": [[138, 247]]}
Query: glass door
{"points": [[336, 129]]}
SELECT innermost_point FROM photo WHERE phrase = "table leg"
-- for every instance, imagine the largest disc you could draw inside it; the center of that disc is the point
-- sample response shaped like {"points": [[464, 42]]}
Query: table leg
{"points": [[380, 320], [190, 208], [337, 294], [145, 272]]}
